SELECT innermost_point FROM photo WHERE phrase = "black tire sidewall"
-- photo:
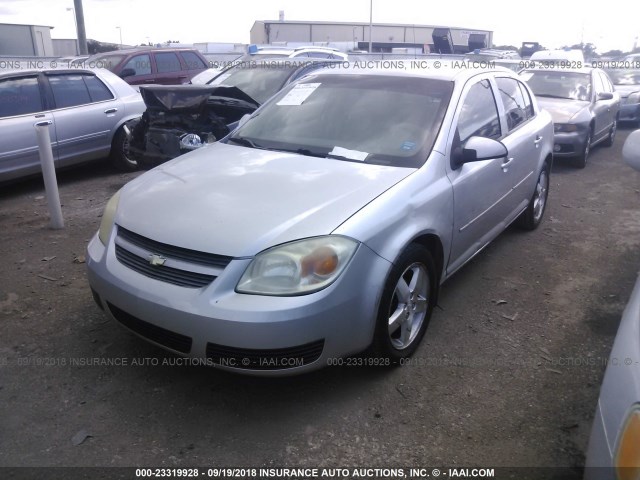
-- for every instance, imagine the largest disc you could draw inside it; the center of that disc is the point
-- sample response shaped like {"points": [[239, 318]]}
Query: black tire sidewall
{"points": [[117, 157]]}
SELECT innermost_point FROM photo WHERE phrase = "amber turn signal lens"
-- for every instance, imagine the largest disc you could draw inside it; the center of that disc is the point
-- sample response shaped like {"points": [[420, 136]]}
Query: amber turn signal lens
{"points": [[322, 261], [628, 454]]}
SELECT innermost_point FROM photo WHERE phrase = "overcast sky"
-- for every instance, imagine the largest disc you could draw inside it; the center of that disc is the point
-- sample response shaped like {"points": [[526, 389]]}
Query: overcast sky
{"points": [[610, 25]]}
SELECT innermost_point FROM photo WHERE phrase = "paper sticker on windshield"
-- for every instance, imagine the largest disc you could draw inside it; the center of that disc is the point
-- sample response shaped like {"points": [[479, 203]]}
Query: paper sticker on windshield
{"points": [[298, 94], [350, 154], [526, 76]]}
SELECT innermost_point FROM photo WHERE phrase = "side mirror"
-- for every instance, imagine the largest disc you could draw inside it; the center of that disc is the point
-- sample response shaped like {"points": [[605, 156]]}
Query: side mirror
{"points": [[631, 150], [127, 72], [605, 96], [480, 148], [244, 119]]}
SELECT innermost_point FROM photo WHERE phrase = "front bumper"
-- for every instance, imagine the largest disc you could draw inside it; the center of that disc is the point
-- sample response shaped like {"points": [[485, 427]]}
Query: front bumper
{"points": [[569, 144], [245, 333]]}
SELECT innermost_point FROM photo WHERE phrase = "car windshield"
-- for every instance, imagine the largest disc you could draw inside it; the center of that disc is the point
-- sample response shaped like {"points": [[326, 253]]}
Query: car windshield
{"points": [[105, 61], [559, 84], [258, 80], [381, 119], [624, 77]]}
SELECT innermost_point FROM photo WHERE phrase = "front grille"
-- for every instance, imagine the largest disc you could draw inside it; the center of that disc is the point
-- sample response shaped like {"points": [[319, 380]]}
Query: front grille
{"points": [[163, 273], [170, 251], [276, 359], [174, 341]]}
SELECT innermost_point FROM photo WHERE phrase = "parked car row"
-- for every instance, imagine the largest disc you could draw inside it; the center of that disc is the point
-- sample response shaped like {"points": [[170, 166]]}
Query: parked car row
{"points": [[585, 109], [584, 106]]}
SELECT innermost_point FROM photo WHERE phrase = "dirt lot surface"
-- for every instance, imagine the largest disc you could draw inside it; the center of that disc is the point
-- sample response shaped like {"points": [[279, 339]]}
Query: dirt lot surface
{"points": [[508, 373]]}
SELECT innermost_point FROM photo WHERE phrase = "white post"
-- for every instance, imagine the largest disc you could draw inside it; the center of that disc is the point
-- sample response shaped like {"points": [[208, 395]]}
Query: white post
{"points": [[49, 174]]}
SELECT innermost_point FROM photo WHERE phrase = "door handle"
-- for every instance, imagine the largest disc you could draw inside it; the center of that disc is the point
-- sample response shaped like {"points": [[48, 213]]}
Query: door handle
{"points": [[506, 164], [110, 110], [538, 140], [44, 123]]}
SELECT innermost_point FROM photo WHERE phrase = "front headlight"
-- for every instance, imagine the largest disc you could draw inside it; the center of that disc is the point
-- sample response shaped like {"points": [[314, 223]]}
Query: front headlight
{"points": [[627, 459], [564, 127], [299, 267], [108, 216]]}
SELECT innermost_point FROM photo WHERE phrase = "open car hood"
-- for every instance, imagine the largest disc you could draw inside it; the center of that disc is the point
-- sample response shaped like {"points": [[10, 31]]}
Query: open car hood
{"points": [[188, 98]]}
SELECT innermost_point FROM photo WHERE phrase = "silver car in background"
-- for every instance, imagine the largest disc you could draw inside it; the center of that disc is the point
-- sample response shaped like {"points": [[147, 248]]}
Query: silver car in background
{"points": [[324, 224], [614, 446], [627, 84], [584, 107], [85, 111]]}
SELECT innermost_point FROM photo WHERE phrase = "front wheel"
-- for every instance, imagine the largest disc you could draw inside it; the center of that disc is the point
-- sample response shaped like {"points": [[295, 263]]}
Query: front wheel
{"points": [[532, 216], [581, 160], [407, 303]]}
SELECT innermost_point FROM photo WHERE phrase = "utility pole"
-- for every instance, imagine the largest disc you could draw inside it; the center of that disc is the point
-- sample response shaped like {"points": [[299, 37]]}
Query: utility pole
{"points": [[370, 24], [82, 35]]}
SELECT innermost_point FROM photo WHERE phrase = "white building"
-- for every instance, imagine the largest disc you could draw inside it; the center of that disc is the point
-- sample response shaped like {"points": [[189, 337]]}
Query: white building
{"points": [[384, 36]]}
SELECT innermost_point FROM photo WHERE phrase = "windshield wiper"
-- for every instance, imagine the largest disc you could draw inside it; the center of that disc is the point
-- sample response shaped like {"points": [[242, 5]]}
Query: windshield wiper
{"points": [[300, 151], [245, 142]]}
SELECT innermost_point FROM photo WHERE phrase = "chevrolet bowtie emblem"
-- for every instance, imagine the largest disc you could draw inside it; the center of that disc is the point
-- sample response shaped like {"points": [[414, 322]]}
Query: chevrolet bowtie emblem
{"points": [[157, 260]]}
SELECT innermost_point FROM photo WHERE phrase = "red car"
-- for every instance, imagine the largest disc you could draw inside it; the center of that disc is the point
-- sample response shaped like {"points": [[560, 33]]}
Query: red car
{"points": [[163, 66]]}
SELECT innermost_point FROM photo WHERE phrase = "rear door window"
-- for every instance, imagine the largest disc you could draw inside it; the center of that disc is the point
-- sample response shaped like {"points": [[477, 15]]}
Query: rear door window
{"points": [[98, 91], [167, 62], [193, 61], [19, 96], [69, 90]]}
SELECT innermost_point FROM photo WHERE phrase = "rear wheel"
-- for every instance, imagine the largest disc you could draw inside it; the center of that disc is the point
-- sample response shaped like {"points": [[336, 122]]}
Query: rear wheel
{"points": [[406, 305], [532, 216], [120, 156], [581, 160]]}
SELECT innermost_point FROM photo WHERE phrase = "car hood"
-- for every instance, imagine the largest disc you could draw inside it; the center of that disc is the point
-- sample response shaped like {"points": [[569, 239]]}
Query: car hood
{"points": [[188, 98], [626, 90], [237, 201], [562, 110]]}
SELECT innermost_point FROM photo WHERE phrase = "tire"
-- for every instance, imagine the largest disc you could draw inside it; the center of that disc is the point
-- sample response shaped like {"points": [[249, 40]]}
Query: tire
{"points": [[581, 160], [612, 134], [532, 216], [406, 305], [119, 155]]}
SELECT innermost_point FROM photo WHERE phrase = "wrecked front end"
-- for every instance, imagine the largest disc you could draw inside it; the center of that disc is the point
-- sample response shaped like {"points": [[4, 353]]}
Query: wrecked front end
{"points": [[181, 118]]}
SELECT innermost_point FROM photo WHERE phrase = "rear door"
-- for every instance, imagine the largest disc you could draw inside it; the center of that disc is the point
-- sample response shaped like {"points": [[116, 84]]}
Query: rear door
{"points": [[169, 69], [523, 135], [22, 106], [192, 63], [86, 111]]}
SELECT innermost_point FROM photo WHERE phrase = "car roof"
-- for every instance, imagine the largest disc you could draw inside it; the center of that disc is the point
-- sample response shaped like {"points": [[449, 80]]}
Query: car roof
{"points": [[587, 70], [446, 73]]}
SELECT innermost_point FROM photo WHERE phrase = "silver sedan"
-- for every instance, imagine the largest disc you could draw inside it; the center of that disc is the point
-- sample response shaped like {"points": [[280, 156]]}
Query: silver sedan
{"points": [[85, 111], [325, 224]]}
